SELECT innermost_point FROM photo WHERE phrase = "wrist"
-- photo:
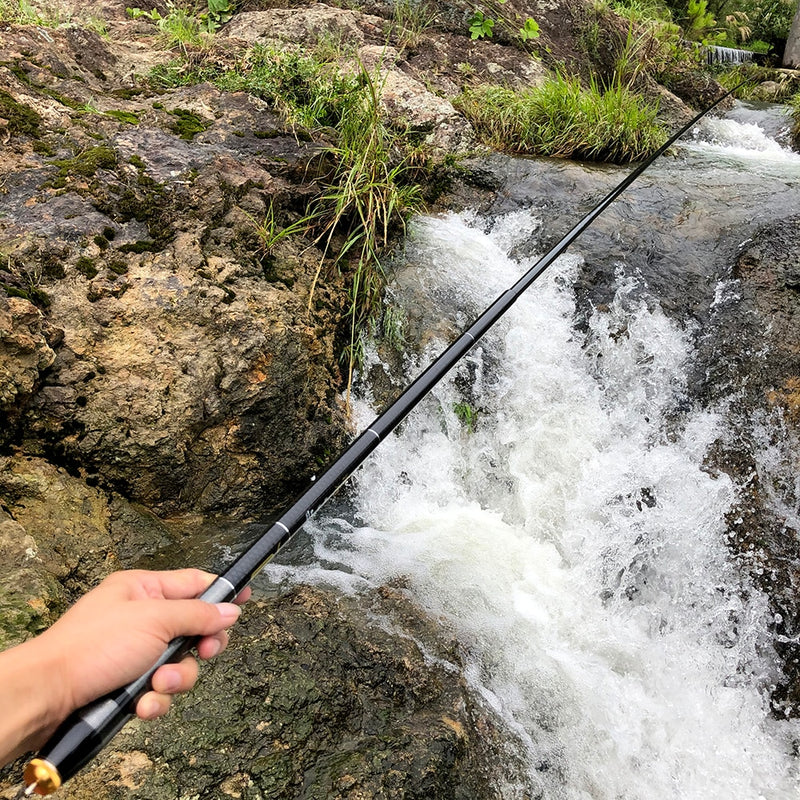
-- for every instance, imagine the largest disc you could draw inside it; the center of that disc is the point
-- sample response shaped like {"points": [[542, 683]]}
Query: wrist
{"points": [[35, 697]]}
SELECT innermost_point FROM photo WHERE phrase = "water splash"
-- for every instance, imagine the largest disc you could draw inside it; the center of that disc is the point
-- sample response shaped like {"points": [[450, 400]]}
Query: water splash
{"points": [[745, 134], [572, 539]]}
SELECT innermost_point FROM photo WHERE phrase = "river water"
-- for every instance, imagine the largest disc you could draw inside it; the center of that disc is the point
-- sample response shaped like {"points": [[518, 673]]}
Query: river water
{"points": [[550, 499]]}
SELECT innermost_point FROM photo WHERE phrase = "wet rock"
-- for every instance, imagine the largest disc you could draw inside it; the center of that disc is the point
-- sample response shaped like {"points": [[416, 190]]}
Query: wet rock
{"points": [[319, 696], [752, 364], [28, 593], [67, 521], [192, 373], [768, 268], [768, 91]]}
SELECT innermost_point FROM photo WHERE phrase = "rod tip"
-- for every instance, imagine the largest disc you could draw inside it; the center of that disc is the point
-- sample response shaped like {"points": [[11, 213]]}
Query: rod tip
{"points": [[26, 791]]}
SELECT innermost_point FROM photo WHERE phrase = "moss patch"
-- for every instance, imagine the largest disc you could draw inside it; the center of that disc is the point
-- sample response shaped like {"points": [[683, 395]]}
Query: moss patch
{"points": [[188, 124], [127, 117], [84, 164], [21, 119], [86, 267]]}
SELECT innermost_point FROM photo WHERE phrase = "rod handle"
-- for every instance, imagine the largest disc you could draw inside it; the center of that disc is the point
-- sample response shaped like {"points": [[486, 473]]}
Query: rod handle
{"points": [[86, 731]]}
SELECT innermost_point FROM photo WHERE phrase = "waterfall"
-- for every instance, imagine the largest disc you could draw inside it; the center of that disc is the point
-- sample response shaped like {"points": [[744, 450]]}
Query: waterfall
{"points": [[727, 55], [566, 530]]}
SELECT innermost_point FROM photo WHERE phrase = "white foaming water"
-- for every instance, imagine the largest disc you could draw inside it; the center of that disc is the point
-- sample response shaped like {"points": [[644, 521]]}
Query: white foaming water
{"points": [[572, 540], [746, 141]]}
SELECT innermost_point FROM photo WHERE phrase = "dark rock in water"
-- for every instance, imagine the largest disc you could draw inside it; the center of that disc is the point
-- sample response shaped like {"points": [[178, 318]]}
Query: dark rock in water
{"points": [[319, 697], [751, 362]]}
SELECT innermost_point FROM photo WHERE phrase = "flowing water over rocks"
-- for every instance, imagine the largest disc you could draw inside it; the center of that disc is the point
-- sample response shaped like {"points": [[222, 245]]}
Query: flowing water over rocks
{"points": [[601, 502]]}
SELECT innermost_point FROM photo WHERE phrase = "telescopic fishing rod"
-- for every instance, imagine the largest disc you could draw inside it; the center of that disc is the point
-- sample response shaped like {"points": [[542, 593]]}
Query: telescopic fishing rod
{"points": [[86, 731]]}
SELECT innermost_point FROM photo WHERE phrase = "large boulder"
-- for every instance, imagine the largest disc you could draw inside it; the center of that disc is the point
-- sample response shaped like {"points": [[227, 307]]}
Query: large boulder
{"points": [[191, 368]]}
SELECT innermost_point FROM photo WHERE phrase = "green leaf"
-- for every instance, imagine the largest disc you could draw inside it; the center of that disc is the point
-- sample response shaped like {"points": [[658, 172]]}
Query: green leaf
{"points": [[530, 30], [480, 26]]}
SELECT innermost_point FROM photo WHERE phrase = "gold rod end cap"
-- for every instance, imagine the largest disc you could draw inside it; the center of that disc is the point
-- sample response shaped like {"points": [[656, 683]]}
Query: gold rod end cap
{"points": [[43, 775]]}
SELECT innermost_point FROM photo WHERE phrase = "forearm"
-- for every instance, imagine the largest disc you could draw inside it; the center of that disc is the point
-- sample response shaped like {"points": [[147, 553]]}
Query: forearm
{"points": [[29, 698]]}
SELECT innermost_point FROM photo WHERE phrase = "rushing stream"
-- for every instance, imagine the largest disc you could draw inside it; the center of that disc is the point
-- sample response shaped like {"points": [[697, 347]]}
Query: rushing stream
{"points": [[550, 499]]}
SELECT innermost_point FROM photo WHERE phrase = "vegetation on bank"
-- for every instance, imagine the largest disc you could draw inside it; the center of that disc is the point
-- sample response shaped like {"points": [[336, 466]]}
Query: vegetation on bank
{"points": [[371, 173], [562, 119]]}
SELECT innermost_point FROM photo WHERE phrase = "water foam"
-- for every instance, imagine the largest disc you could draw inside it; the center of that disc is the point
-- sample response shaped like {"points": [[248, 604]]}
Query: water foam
{"points": [[743, 140], [572, 540]]}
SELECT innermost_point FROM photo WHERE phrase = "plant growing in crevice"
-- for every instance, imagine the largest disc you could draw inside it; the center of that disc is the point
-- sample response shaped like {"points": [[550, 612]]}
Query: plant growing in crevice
{"points": [[411, 19], [269, 232], [368, 194], [391, 328], [44, 14], [467, 416], [480, 26]]}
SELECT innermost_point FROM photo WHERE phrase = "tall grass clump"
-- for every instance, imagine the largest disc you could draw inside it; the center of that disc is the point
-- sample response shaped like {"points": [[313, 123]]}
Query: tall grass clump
{"points": [[367, 174], [564, 120], [411, 19], [369, 194]]}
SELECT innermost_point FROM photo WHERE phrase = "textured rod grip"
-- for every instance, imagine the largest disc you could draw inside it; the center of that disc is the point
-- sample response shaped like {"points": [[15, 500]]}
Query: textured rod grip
{"points": [[89, 729], [86, 731]]}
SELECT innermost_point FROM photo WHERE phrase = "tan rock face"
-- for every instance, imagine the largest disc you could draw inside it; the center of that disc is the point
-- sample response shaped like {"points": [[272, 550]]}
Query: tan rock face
{"points": [[24, 351], [191, 373], [55, 543]]}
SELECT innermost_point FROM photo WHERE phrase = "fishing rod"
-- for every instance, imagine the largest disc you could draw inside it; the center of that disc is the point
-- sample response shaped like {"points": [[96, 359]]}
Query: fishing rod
{"points": [[86, 731]]}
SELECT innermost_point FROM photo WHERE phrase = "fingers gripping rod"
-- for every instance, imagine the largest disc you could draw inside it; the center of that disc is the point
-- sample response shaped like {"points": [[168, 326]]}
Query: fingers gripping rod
{"points": [[85, 732]]}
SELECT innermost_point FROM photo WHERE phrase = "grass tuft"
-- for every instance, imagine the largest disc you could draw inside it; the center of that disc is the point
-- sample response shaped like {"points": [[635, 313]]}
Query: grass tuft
{"points": [[563, 120], [371, 192]]}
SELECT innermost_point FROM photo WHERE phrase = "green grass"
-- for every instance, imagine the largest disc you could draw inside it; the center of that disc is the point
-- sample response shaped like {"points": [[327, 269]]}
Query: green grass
{"points": [[43, 14], [179, 26], [411, 18], [368, 185], [369, 194], [562, 119], [310, 92]]}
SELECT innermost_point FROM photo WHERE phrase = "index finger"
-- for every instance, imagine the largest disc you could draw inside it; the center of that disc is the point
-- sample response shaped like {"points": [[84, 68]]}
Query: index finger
{"points": [[177, 584]]}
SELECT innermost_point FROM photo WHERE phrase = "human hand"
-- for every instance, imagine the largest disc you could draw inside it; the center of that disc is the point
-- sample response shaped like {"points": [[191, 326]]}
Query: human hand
{"points": [[108, 638]]}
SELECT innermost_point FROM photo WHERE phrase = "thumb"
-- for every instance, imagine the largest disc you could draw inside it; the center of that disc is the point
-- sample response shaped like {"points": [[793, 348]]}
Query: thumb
{"points": [[193, 617]]}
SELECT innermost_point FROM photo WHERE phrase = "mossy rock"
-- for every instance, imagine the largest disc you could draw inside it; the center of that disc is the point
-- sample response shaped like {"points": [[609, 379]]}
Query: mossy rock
{"points": [[88, 162], [20, 119], [187, 124], [316, 700]]}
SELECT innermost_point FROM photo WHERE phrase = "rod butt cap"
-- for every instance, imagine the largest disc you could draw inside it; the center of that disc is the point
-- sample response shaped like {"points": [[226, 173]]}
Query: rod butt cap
{"points": [[43, 775]]}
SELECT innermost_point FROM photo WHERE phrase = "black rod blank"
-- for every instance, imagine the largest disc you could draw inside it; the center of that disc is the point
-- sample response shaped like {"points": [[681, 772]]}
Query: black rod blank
{"points": [[88, 730]]}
